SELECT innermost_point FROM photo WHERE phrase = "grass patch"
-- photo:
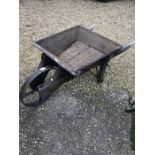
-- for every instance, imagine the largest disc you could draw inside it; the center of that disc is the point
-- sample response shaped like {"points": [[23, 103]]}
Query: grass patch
{"points": [[132, 132]]}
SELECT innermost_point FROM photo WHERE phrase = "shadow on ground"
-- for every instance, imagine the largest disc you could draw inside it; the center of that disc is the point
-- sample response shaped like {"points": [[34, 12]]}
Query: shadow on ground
{"points": [[70, 123]]}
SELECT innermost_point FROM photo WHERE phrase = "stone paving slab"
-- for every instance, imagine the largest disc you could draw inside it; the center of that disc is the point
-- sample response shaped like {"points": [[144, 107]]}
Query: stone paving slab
{"points": [[70, 123]]}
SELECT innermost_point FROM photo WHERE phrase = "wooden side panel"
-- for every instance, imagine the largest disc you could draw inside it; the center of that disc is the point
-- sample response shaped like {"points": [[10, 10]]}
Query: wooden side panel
{"points": [[98, 42], [88, 56], [60, 41]]}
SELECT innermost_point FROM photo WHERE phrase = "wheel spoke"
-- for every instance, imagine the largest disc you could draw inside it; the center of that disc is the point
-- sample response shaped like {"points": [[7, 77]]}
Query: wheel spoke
{"points": [[25, 94]]}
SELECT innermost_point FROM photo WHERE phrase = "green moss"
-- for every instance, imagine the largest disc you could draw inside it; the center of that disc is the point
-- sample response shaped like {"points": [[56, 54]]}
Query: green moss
{"points": [[132, 132], [98, 102]]}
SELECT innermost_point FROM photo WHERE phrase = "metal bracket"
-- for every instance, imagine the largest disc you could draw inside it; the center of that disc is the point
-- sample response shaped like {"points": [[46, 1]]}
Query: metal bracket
{"points": [[128, 45], [91, 27]]}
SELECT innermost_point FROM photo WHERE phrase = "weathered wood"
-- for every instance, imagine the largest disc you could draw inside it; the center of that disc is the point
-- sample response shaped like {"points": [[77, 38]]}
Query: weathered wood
{"points": [[96, 41], [73, 51], [59, 42], [76, 48], [84, 57]]}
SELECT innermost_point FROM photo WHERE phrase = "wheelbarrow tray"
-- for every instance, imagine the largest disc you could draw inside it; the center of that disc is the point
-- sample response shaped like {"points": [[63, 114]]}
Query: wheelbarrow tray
{"points": [[68, 54], [76, 48]]}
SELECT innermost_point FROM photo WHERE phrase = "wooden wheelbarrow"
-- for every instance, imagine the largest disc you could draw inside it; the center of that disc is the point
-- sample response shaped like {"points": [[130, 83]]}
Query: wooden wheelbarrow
{"points": [[66, 55]]}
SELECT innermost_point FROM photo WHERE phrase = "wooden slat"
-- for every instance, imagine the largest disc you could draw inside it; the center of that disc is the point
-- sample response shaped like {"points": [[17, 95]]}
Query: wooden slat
{"points": [[85, 57], [73, 51]]}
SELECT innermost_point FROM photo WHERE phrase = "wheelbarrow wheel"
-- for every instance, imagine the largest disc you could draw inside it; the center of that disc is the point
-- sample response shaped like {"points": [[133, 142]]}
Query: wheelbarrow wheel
{"points": [[39, 85], [29, 94]]}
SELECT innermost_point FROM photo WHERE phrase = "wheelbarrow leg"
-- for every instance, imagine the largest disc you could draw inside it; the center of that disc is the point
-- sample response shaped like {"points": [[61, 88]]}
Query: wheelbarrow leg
{"points": [[101, 72]]}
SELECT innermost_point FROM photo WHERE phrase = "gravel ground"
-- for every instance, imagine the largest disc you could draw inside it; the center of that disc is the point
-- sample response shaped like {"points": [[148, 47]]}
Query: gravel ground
{"points": [[115, 20]]}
